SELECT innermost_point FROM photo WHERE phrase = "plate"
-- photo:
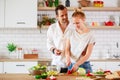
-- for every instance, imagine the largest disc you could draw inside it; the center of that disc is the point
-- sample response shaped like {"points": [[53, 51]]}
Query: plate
{"points": [[99, 75]]}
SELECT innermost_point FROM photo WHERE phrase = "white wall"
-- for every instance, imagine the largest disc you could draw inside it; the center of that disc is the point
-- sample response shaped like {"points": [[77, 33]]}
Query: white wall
{"points": [[29, 39], [32, 38]]}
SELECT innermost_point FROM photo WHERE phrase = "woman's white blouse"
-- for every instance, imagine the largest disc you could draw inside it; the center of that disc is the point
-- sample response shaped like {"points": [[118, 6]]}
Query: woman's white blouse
{"points": [[79, 42]]}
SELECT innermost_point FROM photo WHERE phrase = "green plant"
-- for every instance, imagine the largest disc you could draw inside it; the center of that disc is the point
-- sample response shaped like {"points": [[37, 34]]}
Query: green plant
{"points": [[11, 47], [46, 21]]}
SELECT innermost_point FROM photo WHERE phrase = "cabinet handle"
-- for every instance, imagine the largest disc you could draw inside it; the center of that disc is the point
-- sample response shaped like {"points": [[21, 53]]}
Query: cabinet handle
{"points": [[20, 65], [20, 22], [119, 65], [91, 65]]}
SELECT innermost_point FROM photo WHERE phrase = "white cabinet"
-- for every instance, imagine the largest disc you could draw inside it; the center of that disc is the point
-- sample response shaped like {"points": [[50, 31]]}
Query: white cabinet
{"points": [[21, 13], [113, 66], [18, 67], [1, 67], [98, 65], [1, 13]]}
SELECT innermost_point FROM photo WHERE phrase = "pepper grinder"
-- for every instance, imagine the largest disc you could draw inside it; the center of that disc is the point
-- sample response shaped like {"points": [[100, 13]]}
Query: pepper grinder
{"points": [[67, 3]]}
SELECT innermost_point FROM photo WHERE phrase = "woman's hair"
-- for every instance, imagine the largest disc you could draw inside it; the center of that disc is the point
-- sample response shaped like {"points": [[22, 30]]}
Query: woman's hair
{"points": [[78, 13], [59, 7]]}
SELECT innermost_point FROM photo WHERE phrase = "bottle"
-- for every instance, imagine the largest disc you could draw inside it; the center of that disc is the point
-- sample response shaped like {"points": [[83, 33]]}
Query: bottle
{"points": [[56, 3], [67, 3], [50, 3], [20, 53]]}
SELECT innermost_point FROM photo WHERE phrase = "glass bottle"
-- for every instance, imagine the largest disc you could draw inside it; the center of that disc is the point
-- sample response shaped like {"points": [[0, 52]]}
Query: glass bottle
{"points": [[50, 3], [67, 3], [20, 53], [56, 3]]}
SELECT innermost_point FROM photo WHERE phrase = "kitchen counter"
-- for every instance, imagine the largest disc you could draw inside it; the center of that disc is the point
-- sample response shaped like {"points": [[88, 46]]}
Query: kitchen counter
{"points": [[23, 60], [105, 60], [29, 77], [46, 59]]}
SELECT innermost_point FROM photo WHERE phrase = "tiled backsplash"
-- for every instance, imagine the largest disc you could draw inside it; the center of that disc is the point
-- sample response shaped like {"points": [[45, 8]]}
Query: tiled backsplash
{"points": [[28, 39], [106, 39]]}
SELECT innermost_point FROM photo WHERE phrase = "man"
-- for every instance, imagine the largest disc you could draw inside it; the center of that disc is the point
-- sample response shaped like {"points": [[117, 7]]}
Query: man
{"points": [[57, 34]]}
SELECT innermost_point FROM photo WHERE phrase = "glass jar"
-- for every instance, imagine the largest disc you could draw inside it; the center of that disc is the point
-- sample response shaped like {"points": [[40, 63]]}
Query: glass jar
{"points": [[101, 3], [40, 3]]}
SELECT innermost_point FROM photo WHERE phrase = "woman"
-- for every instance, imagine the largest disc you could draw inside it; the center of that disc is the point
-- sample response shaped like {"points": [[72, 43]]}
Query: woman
{"points": [[80, 45]]}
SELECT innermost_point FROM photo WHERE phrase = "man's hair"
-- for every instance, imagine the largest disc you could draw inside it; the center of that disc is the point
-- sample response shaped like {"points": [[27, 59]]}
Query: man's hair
{"points": [[59, 7], [78, 13]]}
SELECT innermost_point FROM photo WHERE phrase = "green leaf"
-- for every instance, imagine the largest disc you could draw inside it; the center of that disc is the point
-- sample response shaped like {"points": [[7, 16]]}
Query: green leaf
{"points": [[11, 47]]}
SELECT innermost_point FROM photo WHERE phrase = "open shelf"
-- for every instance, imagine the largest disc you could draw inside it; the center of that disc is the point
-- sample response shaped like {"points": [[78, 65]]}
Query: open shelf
{"points": [[93, 27], [83, 8], [104, 27]]}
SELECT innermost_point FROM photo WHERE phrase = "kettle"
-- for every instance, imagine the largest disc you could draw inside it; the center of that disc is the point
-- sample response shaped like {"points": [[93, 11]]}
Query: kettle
{"points": [[109, 23]]}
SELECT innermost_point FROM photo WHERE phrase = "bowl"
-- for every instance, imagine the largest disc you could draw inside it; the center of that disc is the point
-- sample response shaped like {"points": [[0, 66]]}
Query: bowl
{"points": [[84, 3], [36, 72]]}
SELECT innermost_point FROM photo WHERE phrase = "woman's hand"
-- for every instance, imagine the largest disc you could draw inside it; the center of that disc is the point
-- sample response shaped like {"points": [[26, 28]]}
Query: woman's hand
{"points": [[68, 61], [74, 68]]}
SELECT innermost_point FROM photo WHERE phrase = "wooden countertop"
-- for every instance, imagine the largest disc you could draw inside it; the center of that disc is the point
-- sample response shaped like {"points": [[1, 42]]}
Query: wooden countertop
{"points": [[23, 60], [30, 77], [46, 59], [105, 60]]}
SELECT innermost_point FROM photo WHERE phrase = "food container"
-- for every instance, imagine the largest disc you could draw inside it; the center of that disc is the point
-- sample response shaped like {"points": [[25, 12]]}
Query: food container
{"points": [[30, 56]]}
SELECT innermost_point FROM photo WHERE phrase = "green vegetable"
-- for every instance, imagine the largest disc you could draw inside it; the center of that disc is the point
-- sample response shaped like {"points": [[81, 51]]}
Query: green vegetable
{"points": [[44, 75], [11, 47], [100, 72], [81, 71], [37, 76]]}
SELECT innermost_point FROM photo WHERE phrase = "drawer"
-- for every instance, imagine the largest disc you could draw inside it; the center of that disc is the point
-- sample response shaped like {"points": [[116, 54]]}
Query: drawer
{"points": [[18, 67]]}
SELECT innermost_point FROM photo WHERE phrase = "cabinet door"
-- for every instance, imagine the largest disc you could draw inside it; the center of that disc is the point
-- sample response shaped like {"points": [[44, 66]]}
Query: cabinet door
{"points": [[113, 66], [2, 13], [18, 67], [21, 13], [1, 67], [98, 65]]}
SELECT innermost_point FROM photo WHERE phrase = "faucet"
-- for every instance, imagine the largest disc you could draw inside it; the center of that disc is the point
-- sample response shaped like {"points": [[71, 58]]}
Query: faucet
{"points": [[117, 56]]}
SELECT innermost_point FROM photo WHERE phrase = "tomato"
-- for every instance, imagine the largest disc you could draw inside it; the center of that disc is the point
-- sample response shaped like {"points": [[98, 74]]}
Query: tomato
{"points": [[89, 74], [69, 72]]}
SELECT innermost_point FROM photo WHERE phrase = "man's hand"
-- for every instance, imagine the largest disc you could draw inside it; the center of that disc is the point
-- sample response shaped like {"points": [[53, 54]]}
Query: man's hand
{"points": [[57, 52]]}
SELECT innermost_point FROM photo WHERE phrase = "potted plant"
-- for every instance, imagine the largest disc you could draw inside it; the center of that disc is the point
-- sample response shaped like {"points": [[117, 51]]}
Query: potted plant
{"points": [[12, 50], [11, 47], [46, 21]]}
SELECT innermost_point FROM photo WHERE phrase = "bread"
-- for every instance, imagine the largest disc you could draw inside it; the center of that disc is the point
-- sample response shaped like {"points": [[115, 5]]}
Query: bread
{"points": [[114, 75], [118, 73]]}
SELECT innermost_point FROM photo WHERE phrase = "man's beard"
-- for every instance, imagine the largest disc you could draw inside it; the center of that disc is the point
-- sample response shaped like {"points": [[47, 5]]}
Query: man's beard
{"points": [[64, 22]]}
